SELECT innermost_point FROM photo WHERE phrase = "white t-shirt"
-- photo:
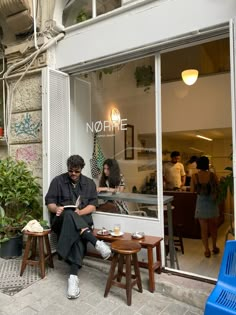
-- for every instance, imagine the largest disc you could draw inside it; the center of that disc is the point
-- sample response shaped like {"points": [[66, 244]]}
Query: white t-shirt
{"points": [[173, 173]]}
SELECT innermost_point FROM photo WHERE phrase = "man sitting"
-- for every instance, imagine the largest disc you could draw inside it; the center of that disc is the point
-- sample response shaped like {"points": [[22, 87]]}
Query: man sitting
{"points": [[73, 226]]}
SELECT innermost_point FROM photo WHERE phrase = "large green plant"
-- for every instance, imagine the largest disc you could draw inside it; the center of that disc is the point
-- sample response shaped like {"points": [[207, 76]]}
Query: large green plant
{"points": [[226, 183], [144, 76], [19, 197]]}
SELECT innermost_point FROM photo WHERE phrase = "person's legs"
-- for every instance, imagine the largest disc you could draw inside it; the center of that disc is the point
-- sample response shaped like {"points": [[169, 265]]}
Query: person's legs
{"points": [[74, 234], [204, 235], [69, 235], [73, 291], [101, 247], [213, 231]]}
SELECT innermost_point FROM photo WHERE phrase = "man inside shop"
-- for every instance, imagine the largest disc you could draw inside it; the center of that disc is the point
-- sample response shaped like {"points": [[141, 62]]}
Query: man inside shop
{"points": [[173, 173]]}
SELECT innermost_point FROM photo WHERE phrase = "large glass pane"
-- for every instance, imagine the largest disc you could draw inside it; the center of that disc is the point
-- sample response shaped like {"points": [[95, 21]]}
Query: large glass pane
{"points": [[127, 91], [79, 11], [104, 6], [189, 111], [76, 12]]}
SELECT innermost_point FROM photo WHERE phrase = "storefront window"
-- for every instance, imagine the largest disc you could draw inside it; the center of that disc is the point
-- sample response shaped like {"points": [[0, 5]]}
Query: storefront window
{"points": [[104, 6], [189, 111], [123, 119], [79, 11]]}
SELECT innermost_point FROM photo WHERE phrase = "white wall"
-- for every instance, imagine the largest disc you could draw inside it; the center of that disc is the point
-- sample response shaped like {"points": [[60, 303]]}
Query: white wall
{"points": [[204, 105], [143, 26]]}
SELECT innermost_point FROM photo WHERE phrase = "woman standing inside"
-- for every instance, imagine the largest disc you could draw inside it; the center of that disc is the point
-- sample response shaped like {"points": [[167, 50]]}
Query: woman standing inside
{"points": [[205, 184], [112, 181]]}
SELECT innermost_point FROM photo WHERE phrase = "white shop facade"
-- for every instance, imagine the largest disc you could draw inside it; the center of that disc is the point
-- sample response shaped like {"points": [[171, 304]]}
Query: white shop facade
{"points": [[96, 71]]}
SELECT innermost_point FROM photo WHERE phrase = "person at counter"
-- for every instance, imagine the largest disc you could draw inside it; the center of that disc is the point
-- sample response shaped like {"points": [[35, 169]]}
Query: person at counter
{"points": [[112, 181], [173, 173], [205, 184], [191, 169]]}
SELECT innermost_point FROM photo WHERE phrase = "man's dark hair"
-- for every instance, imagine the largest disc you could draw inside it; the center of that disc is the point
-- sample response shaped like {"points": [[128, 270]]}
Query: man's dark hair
{"points": [[203, 163], [174, 154], [75, 161]]}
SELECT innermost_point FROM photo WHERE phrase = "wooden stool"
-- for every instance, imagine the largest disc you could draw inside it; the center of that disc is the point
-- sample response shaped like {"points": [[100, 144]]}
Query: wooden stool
{"points": [[31, 244], [124, 250]]}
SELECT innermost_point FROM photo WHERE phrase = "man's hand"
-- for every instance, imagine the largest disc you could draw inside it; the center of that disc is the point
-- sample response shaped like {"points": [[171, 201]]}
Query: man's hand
{"points": [[77, 211], [59, 211]]}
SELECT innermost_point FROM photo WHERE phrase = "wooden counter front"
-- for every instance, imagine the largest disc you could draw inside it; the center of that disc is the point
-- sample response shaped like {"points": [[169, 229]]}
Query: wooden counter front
{"points": [[184, 211]]}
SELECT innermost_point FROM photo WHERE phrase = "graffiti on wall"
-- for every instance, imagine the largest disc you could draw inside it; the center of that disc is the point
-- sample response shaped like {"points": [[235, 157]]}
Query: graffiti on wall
{"points": [[27, 126], [27, 154]]}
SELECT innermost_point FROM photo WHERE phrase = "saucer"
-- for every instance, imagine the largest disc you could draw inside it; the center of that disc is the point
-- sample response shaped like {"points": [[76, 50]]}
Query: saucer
{"points": [[103, 232], [113, 234], [138, 235]]}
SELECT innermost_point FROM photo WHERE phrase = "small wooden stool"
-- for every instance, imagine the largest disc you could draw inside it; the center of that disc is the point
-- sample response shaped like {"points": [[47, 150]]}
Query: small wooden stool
{"points": [[31, 244], [124, 250]]}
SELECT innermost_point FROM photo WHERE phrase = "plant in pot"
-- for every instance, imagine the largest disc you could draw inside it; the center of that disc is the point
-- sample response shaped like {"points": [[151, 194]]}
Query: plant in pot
{"points": [[226, 183], [226, 186], [144, 76], [19, 201]]}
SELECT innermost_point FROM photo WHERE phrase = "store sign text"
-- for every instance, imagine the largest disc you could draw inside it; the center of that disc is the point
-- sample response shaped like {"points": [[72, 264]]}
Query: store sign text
{"points": [[106, 125]]}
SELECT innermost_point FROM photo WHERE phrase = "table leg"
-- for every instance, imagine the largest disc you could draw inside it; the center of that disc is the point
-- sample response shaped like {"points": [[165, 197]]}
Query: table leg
{"points": [[158, 256], [170, 236], [150, 270]]}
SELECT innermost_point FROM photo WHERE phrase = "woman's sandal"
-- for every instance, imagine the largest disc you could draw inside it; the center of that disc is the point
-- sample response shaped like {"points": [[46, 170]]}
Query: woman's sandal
{"points": [[216, 250], [207, 254]]}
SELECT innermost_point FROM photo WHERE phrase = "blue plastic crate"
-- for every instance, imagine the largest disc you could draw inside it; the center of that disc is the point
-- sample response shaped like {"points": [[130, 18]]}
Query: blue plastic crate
{"points": [[222, 299]]}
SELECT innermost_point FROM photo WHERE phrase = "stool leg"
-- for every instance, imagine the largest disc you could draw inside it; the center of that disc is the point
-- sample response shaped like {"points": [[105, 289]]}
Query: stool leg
{"points": [[26, 255], [49, 254], [120, 268], [111, 274], [176, 259], [137, 272], [181, 244], [34, 246], [41, 257], [128, 279]]}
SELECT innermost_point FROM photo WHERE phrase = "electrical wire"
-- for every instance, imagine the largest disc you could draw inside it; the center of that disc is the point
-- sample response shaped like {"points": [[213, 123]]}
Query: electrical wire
{"points": [[10, 92]]}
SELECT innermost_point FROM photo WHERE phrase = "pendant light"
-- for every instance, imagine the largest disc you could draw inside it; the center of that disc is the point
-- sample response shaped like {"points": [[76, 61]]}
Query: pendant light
{"points": [[189, 76]]}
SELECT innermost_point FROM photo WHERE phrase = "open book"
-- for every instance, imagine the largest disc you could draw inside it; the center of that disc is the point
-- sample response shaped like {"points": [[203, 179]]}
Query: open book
{"points": [[76, 206], [70, 207]]}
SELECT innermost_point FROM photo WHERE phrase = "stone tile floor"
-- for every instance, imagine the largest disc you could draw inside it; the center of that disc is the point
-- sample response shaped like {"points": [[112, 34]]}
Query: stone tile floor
{"points": [[48, 296]]}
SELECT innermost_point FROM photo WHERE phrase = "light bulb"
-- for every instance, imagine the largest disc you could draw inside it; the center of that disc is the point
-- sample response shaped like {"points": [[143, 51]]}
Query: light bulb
{"points": [[189, 76]]}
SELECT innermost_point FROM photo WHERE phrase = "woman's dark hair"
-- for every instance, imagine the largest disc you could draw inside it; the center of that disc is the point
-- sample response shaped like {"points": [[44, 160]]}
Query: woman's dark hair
{"points": [[203, 163], [114, 176], [75, 161], [193, 159]]}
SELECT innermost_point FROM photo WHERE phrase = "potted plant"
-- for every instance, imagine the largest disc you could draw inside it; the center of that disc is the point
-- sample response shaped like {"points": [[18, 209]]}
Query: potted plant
{"points": [[226, 183], [19, 201], [144, 76], [82, 16]]}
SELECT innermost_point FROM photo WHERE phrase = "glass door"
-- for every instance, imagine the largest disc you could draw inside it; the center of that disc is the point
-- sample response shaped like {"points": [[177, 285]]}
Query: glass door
{"points": [[196, 121]]}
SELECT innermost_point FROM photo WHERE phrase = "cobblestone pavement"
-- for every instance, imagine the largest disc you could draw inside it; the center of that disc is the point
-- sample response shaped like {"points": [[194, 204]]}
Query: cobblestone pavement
{"points": [[48, 296]]}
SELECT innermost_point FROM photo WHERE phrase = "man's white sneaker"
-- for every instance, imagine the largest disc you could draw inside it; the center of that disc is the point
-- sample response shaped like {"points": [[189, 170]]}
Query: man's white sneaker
{"points": [[73, 287], [103, 249]]}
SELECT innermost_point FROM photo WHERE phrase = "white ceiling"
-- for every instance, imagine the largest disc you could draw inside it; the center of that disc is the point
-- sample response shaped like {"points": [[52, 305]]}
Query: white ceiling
{"points": [[221, 133]]}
